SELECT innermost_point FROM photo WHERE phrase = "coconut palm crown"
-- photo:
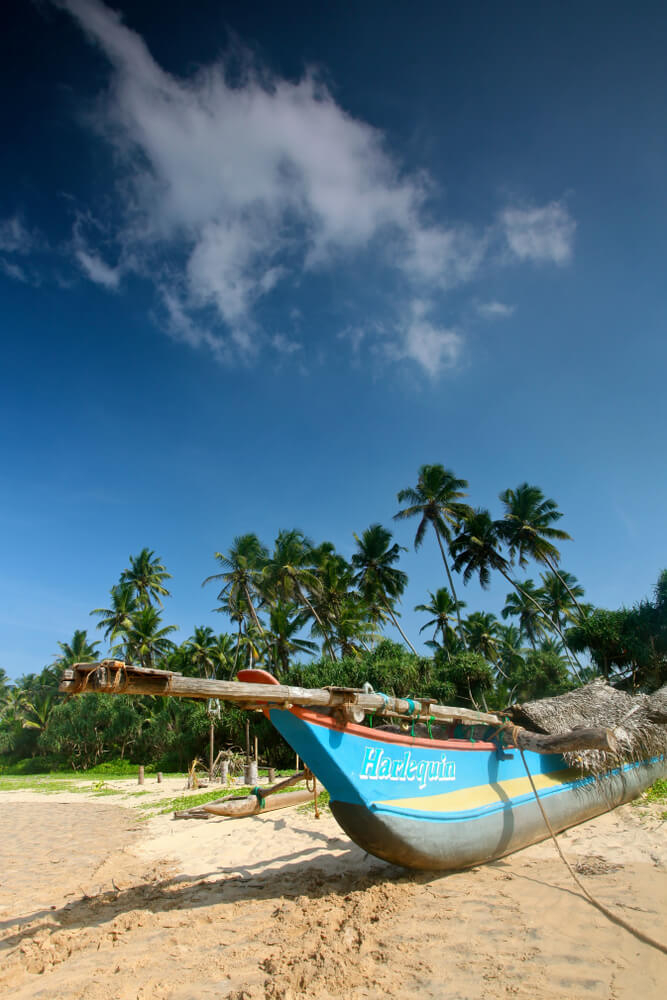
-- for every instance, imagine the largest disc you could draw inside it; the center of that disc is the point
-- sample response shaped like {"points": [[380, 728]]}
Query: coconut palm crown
{"points": [[436, 500]]}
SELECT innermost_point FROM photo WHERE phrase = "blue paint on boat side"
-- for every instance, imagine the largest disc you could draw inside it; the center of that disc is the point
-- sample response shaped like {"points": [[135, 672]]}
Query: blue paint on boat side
{"points": [[383, 792], [573, 785], [339, 758]]}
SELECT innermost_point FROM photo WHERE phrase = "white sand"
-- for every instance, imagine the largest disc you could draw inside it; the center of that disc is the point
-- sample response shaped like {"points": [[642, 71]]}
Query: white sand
{"points": [[95, 904]]}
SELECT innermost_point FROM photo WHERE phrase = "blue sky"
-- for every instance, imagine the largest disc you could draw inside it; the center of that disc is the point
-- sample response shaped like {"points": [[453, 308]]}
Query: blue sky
{"points": [[258, 264]]}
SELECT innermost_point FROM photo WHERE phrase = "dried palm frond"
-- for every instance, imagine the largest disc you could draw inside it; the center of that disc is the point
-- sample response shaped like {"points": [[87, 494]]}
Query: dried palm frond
{"points": [[638, 722]]}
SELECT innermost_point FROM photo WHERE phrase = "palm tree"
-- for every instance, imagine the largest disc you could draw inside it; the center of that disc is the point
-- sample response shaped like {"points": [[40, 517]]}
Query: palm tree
{"points": [[117, 619], [204, 652], [442, 606], [335, 583], [482, 635], [353, 628], [289, 575], [146, 576], [528, 529], [242, 574], [477, 550], [524, 605], [285, 622], [511, 653], [376, 577], [38, 710], [223, 655], [201, 651], [437, 501], [77, 650], [147, 638], [557, 593]]}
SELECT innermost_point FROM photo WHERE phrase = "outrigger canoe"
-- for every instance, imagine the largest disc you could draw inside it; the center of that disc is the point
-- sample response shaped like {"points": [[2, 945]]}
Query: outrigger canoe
{"points": [[446, 804], [413, 800]]}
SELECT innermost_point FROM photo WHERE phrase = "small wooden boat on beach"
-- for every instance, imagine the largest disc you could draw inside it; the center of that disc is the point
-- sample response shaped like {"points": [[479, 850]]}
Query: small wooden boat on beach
{"points": [[453, 792]]}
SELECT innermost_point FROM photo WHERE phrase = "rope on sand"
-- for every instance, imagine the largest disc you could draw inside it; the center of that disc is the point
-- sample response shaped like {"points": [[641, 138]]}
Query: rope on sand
{"points": [[591, 899]]}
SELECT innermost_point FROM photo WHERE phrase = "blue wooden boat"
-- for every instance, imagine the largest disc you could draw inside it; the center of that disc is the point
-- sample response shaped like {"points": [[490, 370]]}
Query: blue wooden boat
{"points": [[441, 804]]}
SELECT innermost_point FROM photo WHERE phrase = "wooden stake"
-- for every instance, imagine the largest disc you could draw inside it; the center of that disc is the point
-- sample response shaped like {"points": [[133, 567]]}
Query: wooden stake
{"points": [[141, 774]]}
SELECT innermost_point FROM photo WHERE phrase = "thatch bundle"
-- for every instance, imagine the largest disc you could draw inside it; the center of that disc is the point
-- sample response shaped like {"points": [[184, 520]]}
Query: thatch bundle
{"points": [[638, 723]]}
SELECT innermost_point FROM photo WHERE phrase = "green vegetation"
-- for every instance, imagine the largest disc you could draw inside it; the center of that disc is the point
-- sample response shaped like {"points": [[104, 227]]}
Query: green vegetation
{"points": [[657, 792], [312, 617]]}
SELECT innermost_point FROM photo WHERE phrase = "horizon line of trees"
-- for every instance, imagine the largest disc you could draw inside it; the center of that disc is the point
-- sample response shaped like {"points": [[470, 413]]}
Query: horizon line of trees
{"points": [[301, 599]]}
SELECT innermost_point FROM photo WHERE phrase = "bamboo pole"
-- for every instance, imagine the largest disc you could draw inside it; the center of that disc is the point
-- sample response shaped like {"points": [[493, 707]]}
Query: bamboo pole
{"points": [[115, 677]]}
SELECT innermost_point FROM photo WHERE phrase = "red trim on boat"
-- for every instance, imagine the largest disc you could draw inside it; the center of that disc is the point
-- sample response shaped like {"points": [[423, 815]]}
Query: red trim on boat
{"points": [[382, 736], [264, 677]]}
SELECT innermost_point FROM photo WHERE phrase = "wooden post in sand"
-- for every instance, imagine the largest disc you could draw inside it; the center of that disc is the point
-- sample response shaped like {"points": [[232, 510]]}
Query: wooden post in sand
{"points": [[159, 777], [141, 774]]}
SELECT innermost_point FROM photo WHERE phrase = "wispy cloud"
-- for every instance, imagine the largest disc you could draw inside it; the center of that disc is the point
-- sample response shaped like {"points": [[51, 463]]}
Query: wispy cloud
{"points": [[97, 270], [15, 237], [246, 182], [540, 234], [494, 310], [13, 270]]}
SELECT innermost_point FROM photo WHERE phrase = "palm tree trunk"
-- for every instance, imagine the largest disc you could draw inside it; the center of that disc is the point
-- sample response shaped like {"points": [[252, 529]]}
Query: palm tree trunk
{"points": [[546, 617], [238, 645], [252, 610], [317, 618], [451, 584], [395, 621], [552, 567]]}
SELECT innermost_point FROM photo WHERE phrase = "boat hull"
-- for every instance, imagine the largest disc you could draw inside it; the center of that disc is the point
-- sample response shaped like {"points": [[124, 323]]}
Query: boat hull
{"points": [[443, 805], [449, 844]]}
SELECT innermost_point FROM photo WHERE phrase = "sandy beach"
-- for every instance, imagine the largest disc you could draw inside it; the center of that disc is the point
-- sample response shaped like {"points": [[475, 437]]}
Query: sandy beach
{"points": [[98, 903]]}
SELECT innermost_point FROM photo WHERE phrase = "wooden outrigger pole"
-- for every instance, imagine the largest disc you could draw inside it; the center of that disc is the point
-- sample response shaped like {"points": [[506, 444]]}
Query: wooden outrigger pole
{"points": [[115, 677]]}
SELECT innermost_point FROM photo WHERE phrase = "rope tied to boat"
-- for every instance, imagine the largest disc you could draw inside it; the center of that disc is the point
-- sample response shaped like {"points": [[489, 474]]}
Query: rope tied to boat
{"points": [[609, 914], [310, 776], [412, 708], [371, 715], [257, 792]]}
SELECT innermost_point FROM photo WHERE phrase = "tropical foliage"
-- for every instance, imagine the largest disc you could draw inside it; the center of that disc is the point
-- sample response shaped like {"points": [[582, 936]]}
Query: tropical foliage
{"points": [[315, 618]]}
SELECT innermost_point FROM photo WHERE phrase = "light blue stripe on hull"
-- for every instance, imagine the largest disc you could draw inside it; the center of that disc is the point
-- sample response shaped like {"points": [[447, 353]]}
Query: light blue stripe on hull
{"points": [[451, 843]]}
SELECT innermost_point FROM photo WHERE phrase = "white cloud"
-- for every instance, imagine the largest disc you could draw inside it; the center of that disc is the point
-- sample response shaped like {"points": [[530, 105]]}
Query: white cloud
{"points": [[494, 310], [248, 185], [14, 237], [539, 233], [435, 348], [284, 345], [97, 270], [13, 270]]}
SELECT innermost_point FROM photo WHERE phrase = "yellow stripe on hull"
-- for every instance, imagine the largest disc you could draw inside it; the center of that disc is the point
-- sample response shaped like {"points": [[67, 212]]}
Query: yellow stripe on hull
{"points": [[482, 795]]}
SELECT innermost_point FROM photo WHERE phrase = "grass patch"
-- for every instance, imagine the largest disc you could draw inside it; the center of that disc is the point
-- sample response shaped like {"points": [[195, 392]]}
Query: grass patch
{"points": [[657, 792], [189, 801], [308, 808], [40, 784], [181, 802]]}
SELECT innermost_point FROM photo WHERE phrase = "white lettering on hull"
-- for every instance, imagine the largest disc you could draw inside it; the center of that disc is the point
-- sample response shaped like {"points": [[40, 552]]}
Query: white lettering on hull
{"points": [[378, 764]]}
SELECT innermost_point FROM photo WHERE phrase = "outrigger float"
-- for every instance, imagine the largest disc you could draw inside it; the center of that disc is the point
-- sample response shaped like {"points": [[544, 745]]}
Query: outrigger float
{"points": [[458, 788]]}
